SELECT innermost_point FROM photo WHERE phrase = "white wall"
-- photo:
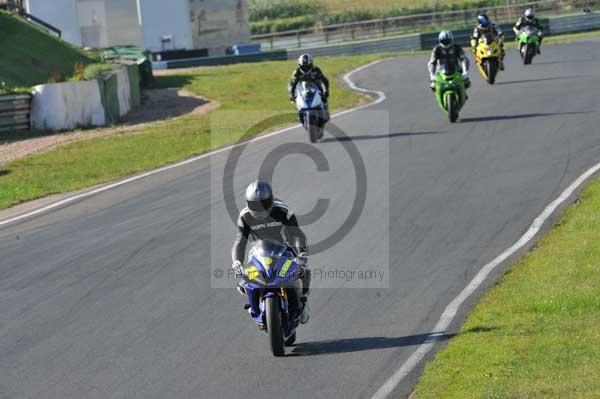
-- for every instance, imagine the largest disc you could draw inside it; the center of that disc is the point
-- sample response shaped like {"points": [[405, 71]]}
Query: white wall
{"points": [[66, 106], [161, 18], [61, 13]]}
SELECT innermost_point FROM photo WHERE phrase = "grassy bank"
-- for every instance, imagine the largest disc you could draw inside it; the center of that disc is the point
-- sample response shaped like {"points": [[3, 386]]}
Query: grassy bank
{"points": [[536, 335], [30, 56], [238, 87]]}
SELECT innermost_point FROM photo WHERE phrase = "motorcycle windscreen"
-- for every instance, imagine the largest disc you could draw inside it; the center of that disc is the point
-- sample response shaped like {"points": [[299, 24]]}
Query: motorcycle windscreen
{"points": [[268, 249], [488, 38], [308, 91], [448, 68]]}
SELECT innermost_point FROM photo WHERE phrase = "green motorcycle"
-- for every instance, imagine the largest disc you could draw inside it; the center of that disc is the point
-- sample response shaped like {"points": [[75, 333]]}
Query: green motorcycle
{"points": [[450, 93], [529, 42]]}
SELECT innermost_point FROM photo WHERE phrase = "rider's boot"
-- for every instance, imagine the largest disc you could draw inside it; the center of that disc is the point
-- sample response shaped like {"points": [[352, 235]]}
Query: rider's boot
{"points": [[305, 316], [306, 277]]}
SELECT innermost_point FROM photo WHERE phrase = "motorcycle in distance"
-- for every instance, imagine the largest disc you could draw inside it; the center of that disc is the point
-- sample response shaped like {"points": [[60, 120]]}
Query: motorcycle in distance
{"points": [[450, 92], [311, 110], [529, 41], [270, 281], [487, 57]]}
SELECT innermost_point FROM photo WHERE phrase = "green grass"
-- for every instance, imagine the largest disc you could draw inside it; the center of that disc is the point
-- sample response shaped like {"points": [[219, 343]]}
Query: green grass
{"points": [[29, 56], [537, 334], [239, 88]]}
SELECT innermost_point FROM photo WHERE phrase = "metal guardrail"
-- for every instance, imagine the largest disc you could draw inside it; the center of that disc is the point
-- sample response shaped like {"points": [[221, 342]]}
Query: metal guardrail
{"points": [[14, 113], [336, 34], [17, 7], [426, 41]]}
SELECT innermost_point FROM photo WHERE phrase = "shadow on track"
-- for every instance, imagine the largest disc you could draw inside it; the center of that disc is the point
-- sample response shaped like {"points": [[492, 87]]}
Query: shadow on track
{"points": [[376, 136], [521, 116], [364, 344], [514, 82]]}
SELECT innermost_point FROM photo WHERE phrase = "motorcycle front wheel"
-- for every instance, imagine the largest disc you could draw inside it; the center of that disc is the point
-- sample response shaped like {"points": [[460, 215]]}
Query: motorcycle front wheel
{"points": [[491, 68], [273, 315], [314, 133], [452, 105]]}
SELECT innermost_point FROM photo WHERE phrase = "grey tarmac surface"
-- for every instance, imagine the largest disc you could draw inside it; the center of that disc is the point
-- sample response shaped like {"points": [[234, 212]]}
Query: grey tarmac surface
{"points": [[112, 297]]}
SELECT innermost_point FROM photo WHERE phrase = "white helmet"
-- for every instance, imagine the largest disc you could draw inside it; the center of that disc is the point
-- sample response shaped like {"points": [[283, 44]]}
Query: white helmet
{"points": [[446, 38], [529, 14], [305, 62]]}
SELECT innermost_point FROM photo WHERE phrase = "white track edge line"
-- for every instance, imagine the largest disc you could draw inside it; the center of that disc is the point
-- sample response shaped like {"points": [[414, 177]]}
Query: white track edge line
{"points": [[380, 98], [452, 309]]}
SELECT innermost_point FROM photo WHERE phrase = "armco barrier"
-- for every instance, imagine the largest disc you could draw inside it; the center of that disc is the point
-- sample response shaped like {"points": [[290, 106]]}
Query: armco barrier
{"points": [[426, 41], [574, 23], [14, 112], [405, 43], [226, 60], [416, 42]]}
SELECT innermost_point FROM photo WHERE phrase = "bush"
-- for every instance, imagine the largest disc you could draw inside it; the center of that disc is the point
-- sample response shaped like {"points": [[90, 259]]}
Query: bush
{"points": [[280, 9], [281, 25]]}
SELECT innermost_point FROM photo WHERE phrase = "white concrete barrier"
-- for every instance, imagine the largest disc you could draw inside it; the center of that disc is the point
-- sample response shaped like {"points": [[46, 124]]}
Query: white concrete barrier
{"points": [[67, 106], [123, 91]]}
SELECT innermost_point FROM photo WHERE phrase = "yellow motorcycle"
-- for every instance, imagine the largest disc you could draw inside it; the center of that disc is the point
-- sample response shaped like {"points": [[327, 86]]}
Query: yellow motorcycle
{"points": [[488, 55]]}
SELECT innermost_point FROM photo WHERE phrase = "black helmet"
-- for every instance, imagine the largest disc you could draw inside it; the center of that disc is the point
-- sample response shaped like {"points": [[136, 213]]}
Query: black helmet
{"points": [[259, 198], [305, 62]]}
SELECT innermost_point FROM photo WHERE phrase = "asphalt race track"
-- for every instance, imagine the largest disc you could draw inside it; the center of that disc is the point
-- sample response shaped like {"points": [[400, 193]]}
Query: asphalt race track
{"points": [[114, 296]]}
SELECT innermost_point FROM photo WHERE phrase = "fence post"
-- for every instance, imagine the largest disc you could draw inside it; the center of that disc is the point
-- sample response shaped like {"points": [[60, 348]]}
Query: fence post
{"points": [[271, 41], [298, 38], [509, 9], [383, 25]]}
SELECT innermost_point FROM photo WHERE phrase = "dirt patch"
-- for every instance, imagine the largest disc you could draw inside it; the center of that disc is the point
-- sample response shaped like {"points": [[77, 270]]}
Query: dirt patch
{"points": [[157, 105]]}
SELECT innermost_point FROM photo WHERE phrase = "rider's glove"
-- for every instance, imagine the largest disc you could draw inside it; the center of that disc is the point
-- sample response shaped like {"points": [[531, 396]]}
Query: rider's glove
{"points": [[237, 268], [432, 85], [302, 259]]}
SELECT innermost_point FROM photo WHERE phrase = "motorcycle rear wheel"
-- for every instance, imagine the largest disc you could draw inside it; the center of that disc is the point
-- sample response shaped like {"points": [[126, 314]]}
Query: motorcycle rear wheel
{"points": [[273, 313]]}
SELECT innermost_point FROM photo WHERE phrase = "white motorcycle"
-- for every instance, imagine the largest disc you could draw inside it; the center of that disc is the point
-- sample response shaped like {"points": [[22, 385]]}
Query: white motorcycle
{"points": [[311, 110]]}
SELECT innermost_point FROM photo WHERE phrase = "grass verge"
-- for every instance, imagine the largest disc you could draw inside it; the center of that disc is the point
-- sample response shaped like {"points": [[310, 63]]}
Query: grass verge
{"points": [[536, 334], [237, 87]]}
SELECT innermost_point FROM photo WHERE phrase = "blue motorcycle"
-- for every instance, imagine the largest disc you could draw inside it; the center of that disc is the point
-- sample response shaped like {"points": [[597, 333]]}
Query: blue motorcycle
{"points": [[311, 110], [272, 285]]}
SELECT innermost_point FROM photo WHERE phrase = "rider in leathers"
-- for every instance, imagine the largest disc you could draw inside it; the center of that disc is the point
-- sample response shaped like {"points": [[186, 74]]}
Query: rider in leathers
{"points": [[265, 218], [529, 20], [487, 26], [308, 72], [447, 52]]}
